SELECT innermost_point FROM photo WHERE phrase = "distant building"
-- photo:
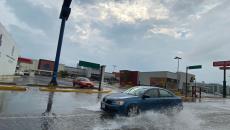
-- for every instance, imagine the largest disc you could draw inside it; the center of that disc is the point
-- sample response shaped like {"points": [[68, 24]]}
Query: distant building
{"points": [[25, 66], [163, 79], [31, 67], [8, 53], [84, 72], [130, 78], [213, 88], [75, 72]]}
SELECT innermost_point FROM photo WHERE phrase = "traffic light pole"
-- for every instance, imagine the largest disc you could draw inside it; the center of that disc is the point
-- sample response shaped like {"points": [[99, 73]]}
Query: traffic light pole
{"points": [[186, 83], [53, 81], [224, 84]]}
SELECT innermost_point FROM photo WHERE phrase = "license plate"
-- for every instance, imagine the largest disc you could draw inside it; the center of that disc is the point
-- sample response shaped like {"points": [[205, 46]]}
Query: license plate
{"points": [[102, 105]]}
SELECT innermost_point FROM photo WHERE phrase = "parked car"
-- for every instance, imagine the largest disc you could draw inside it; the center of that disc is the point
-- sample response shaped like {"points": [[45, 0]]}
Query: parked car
{"points": [[141, 98], [83, 82], [19, 73]]}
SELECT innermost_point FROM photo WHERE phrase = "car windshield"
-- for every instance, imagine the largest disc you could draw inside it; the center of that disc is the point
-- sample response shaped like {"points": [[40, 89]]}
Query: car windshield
{"points": [[137, 91]]}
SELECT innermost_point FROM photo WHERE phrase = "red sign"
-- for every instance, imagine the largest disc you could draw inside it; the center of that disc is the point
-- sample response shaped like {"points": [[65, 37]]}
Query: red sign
{"points": [[25, 60], [226, 68], [46, 65], [221, 63]]}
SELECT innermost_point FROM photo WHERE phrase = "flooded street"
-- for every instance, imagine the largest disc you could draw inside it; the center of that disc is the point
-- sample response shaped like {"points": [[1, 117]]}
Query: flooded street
{"points": [[27, 110], [38, 110], [102, 64]]}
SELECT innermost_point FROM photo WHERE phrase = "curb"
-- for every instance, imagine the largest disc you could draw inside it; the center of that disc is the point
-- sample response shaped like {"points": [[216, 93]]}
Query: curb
{"points": [[7, 83], [12, 88], [89, 91]]}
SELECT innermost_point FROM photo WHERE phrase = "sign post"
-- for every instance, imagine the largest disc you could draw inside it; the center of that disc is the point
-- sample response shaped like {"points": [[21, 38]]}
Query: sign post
{"points": [[102, 71], [186, 83], [223, 65]]}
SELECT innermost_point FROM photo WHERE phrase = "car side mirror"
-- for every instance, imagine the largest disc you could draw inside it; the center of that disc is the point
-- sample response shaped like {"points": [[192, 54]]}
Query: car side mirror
{"points": [[145, 96]]}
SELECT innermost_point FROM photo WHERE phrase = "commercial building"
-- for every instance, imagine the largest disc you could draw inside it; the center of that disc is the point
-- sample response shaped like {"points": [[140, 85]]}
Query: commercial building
{"points": [[163, 79], [8, 53], [74, 71], [32, 67], [130, 78], [87, 72]]}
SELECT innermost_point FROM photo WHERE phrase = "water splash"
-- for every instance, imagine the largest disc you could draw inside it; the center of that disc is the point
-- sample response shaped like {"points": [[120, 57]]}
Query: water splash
{"points": [[184, 120]]}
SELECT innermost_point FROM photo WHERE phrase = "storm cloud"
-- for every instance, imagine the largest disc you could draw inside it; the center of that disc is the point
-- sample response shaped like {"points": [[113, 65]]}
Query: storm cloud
{"points": [[142, 35]]}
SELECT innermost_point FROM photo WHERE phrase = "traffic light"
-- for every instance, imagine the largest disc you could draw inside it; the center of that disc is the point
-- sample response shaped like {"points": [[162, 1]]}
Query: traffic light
{"points": [[65, 11], [192, 79]]}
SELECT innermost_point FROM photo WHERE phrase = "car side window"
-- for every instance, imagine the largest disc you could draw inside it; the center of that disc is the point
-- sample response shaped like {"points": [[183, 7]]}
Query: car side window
{"points": [[152, 93], [164, 93]]}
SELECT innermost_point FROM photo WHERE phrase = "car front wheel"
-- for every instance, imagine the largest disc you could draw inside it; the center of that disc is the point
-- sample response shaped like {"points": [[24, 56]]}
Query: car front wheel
{"points": [[133, 110]]}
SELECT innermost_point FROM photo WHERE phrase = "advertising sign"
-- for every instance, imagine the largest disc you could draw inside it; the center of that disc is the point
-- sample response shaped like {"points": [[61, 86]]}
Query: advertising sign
{"points": [[46, 65], [221, 63]]}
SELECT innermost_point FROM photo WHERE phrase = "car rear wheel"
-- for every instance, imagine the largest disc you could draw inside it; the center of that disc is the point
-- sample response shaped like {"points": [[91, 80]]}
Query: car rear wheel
{"points": [[133, 110]]}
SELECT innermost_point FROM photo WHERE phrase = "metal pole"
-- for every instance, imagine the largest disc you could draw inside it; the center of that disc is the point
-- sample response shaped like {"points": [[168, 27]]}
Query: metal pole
{"points": [[186, 83], [200, 92], [195, 88], [224, 84], [101, 77], [53, 81], [178, 65]]}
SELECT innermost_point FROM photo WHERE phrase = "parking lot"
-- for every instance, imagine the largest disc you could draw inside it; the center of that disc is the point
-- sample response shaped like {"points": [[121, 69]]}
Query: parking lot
{"points": [[34, 109]]}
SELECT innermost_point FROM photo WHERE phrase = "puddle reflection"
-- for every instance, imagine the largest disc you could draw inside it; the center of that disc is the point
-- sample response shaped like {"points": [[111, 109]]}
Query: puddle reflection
{"points": [[48, 117]]}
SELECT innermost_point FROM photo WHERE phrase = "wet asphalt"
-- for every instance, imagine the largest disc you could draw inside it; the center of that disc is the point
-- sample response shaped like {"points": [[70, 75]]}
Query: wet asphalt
{"points": [[36, 110]]}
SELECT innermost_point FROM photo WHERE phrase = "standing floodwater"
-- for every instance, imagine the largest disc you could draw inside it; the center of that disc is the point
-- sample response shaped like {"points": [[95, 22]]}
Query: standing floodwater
{"points": [[76, 111]]}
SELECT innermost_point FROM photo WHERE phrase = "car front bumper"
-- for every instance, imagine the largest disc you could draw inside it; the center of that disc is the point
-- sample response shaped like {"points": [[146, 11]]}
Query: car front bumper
{"points": [[113, 109]]}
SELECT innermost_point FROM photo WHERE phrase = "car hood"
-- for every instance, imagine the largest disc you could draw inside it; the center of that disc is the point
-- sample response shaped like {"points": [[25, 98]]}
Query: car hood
{"points": [[117, 96]]}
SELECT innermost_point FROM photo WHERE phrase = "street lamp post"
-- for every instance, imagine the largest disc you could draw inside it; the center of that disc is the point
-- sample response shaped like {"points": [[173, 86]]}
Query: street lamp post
{"points": [[178, 67], [114, 67], [64, 15]]}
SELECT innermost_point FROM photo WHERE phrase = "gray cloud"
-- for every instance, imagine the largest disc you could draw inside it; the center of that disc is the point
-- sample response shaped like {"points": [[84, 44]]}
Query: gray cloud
{"points": [[141, 35]]}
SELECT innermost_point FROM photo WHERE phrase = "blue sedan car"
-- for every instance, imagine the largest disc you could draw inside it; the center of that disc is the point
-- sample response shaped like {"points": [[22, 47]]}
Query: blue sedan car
{"points": [[140, 98]]}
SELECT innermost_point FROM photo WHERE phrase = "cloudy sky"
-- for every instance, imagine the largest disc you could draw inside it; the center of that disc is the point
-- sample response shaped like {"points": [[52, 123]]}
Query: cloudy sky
{"points": [[142, 35]]}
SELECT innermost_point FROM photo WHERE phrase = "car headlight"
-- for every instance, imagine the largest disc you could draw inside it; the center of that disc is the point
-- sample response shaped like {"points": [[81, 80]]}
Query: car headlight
{"points": [[119, 102]]}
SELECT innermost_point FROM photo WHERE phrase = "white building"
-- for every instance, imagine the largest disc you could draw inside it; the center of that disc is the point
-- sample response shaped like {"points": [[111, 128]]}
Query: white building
{"points": [[8, 53]]}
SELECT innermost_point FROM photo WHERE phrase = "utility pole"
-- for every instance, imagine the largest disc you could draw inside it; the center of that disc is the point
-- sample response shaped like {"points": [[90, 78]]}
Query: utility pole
{"points": [[64, 15], [186, 82], [224, 84]]}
